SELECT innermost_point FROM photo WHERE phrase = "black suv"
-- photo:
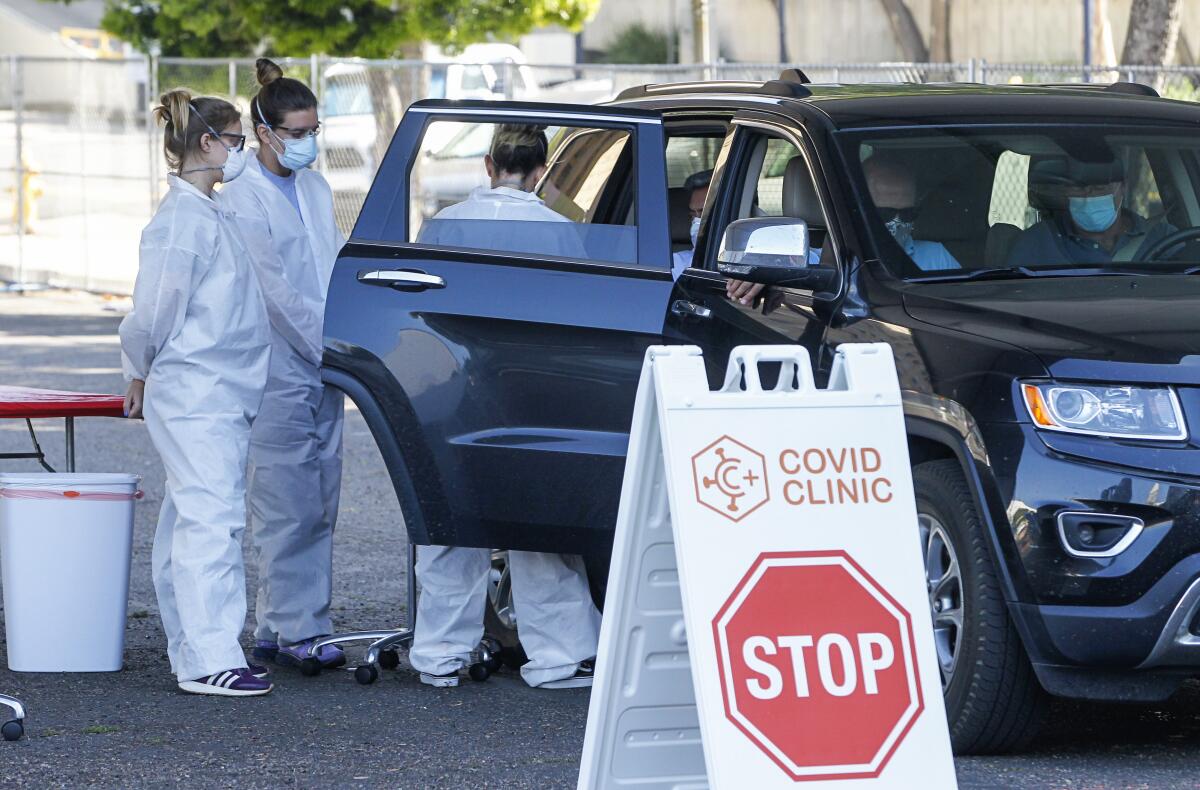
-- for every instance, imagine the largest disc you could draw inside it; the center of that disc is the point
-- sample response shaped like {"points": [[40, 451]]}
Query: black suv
{"points": [[1051, 373]]}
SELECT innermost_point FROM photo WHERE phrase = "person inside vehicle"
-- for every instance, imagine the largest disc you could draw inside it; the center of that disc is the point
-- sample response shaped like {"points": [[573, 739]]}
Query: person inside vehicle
{"points": [[696, 187], [1089, 220], [559, 624], [515, 163], [893, 190]]}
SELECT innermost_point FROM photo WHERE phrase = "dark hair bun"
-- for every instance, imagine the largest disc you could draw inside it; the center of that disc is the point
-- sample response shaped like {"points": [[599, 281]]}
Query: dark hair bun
{"points": [[268, 71]]}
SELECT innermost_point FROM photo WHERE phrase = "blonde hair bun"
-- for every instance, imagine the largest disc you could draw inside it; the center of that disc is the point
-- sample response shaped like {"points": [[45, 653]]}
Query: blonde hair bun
{"points": [[268, 71]]}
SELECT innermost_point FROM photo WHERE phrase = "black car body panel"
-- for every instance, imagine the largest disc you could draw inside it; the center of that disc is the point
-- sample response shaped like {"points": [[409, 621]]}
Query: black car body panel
{"points": [[502, 400]]}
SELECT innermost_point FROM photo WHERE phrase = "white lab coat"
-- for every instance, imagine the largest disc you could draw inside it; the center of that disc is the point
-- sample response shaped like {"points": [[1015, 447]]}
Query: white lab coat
{"points": [[296, 448], [558, 624], [485, 220], [198, 337]]}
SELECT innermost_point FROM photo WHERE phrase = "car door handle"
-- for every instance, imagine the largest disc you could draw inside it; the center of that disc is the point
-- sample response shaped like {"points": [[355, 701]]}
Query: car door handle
{"points": [[403, 279], [685, 309]]}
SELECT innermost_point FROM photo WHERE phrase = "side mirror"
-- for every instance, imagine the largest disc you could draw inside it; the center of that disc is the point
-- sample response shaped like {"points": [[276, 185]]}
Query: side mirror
{"points": [[773, 251]]}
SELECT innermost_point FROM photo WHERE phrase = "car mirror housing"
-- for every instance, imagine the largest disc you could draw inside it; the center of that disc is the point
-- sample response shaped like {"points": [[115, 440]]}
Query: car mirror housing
{"points": [[773, 251]]}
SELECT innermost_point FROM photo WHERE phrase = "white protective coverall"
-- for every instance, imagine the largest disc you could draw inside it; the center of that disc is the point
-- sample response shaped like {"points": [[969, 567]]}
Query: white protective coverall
{"points": [[198, 337], [558, 624], [296, 449]]}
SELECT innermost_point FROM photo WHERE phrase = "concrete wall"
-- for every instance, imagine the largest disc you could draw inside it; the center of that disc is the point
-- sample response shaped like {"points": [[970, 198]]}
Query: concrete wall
{"points": [[857, 30]]}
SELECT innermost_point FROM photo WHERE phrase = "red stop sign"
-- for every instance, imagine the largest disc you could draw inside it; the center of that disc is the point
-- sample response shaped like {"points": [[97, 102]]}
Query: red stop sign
{"points": [[817, 665]]}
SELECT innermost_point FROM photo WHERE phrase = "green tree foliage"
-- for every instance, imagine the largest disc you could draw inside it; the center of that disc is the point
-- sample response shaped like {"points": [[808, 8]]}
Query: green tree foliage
{"points": [[637, 44], [366, 28]]}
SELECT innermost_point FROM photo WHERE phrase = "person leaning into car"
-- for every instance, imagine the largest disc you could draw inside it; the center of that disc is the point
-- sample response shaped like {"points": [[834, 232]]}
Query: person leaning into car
{"points": [[1089, 221], [559, 624]]}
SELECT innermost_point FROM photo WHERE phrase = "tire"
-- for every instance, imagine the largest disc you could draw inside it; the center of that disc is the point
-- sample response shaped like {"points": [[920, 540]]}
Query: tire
{"points": [[994, 702], [499, 618]]}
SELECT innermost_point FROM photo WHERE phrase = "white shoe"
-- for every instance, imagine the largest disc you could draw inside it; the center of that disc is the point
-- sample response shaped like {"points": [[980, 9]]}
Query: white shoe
{"points": [[449, 680]]}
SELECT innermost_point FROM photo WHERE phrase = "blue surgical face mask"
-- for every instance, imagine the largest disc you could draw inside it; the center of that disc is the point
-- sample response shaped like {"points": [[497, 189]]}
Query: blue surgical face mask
{"points": [[297, 154], [694, 231], [1094, 214]]}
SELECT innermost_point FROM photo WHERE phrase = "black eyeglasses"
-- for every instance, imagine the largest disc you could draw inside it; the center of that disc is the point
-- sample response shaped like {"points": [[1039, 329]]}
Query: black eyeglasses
{"points": [[241, 139], [300, 134]]}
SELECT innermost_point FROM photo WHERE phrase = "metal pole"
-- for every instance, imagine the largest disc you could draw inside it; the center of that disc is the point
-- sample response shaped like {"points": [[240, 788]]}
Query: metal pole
{"points": [[70, 444], [83, 180], [233, 80], [152, 65], [411, 616], [1087, 40], [781, 6], [982, 68], [971, 71], [17, 75], [313, 73]]}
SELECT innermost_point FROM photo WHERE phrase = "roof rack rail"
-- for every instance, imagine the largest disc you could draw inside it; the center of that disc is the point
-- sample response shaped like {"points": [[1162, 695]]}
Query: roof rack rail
{"points": [[795, 76], [1130, 88], [1134, 88]]}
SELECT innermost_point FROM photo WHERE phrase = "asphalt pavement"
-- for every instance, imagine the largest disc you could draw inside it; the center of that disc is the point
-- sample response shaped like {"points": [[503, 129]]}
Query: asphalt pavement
{"points": [[135, 729]]}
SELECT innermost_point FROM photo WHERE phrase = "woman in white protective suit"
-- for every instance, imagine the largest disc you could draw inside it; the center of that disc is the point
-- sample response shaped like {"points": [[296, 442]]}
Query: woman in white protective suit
{"points": [[196, 349], [558, 624], [285, 213]]}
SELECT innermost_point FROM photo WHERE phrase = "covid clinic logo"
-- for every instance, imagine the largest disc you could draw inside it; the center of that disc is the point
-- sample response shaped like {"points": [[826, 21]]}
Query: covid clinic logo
{"points": [[731, 478]]}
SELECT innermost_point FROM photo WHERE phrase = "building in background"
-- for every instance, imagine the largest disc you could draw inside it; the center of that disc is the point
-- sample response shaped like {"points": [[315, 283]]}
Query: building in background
{"points": [[857, 31]]}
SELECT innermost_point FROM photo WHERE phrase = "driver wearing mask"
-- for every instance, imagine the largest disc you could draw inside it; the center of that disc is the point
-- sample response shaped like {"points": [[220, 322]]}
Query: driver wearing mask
{"points": [[1089, 221]]}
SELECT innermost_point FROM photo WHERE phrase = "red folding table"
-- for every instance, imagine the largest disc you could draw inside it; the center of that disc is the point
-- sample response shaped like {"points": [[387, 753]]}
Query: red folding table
{"points": [[31, 404]]}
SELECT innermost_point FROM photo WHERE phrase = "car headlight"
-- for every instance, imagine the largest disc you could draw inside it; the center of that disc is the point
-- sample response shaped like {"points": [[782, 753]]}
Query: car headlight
{"points": [[1106, 410]]}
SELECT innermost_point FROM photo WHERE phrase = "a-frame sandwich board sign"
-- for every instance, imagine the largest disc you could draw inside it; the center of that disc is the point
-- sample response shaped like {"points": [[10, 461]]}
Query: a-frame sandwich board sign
{"points": [[767, 621]]}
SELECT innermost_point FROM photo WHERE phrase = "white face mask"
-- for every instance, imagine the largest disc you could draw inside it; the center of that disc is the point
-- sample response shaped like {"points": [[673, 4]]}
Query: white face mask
{"points": [[694, 232], [234, 165]]}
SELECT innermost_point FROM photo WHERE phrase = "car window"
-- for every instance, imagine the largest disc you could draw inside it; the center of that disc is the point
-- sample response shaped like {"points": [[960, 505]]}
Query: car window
{"points": [[579, 204], [689, 155], [948, 201], [767, 198]]}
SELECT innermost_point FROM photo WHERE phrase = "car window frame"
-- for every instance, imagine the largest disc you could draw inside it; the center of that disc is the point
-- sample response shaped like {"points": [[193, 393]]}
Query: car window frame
{"points": [[733, 171], [386, 217]]}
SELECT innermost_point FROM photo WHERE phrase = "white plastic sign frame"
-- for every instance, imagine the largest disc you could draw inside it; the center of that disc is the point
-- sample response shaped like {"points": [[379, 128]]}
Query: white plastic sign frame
{"points": [[767, 622]]}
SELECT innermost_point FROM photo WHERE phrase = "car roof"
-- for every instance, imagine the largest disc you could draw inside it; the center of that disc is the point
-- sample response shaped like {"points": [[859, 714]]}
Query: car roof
{"points": [[886, 104]]}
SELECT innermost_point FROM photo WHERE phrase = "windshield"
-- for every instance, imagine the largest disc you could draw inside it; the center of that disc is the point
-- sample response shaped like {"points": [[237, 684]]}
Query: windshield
{"points": [[1007, 201]]}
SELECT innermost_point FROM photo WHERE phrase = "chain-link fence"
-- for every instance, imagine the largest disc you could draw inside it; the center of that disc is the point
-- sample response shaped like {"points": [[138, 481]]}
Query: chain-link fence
{"points": [[81, 167]]}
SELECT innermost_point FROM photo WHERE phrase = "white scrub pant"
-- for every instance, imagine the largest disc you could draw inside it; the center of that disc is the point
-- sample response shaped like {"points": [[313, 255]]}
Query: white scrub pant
{"points": [[199, 576], [558, 624], [295, 484]]}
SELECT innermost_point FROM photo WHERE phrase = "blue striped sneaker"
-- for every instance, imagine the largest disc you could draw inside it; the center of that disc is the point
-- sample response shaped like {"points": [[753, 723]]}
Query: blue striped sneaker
{"points": [[230, 683]]}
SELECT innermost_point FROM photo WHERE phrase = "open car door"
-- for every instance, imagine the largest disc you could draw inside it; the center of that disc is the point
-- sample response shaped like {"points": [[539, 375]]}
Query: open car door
{"points": [[505, 352]]}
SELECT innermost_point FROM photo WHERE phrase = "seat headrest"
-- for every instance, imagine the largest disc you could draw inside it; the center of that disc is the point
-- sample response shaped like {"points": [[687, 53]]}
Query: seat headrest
{"points": [[800, 193]]}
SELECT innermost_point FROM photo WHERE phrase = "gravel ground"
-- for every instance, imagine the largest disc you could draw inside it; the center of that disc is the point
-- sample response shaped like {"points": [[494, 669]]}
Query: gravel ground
{"points": [[134, 729]]}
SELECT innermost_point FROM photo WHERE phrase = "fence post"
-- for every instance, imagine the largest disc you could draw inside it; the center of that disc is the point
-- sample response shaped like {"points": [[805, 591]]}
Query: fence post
{"points": [[313, 73], [152, 67], [233, 80], [81, 111], [17, 75], [971, 64], [981, 68]]}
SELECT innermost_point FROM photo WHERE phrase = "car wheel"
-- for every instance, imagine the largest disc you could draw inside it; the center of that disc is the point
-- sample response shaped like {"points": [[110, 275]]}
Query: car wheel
{"points": [[994, 702], [500, 618]]}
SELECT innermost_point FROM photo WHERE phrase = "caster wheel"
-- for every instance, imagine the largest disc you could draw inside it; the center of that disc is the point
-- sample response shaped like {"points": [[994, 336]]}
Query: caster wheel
{"points": [[479, 672], [12, 730], [493, 663], [310, 667], [366, 674], [389, 659]]}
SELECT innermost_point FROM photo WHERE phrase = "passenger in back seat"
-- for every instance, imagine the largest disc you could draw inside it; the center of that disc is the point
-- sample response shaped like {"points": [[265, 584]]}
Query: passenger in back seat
{"points": [[697, 188]]}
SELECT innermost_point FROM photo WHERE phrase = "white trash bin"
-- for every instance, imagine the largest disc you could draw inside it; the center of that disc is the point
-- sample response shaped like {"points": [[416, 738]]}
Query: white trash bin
{"points": [[65, 545]]}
